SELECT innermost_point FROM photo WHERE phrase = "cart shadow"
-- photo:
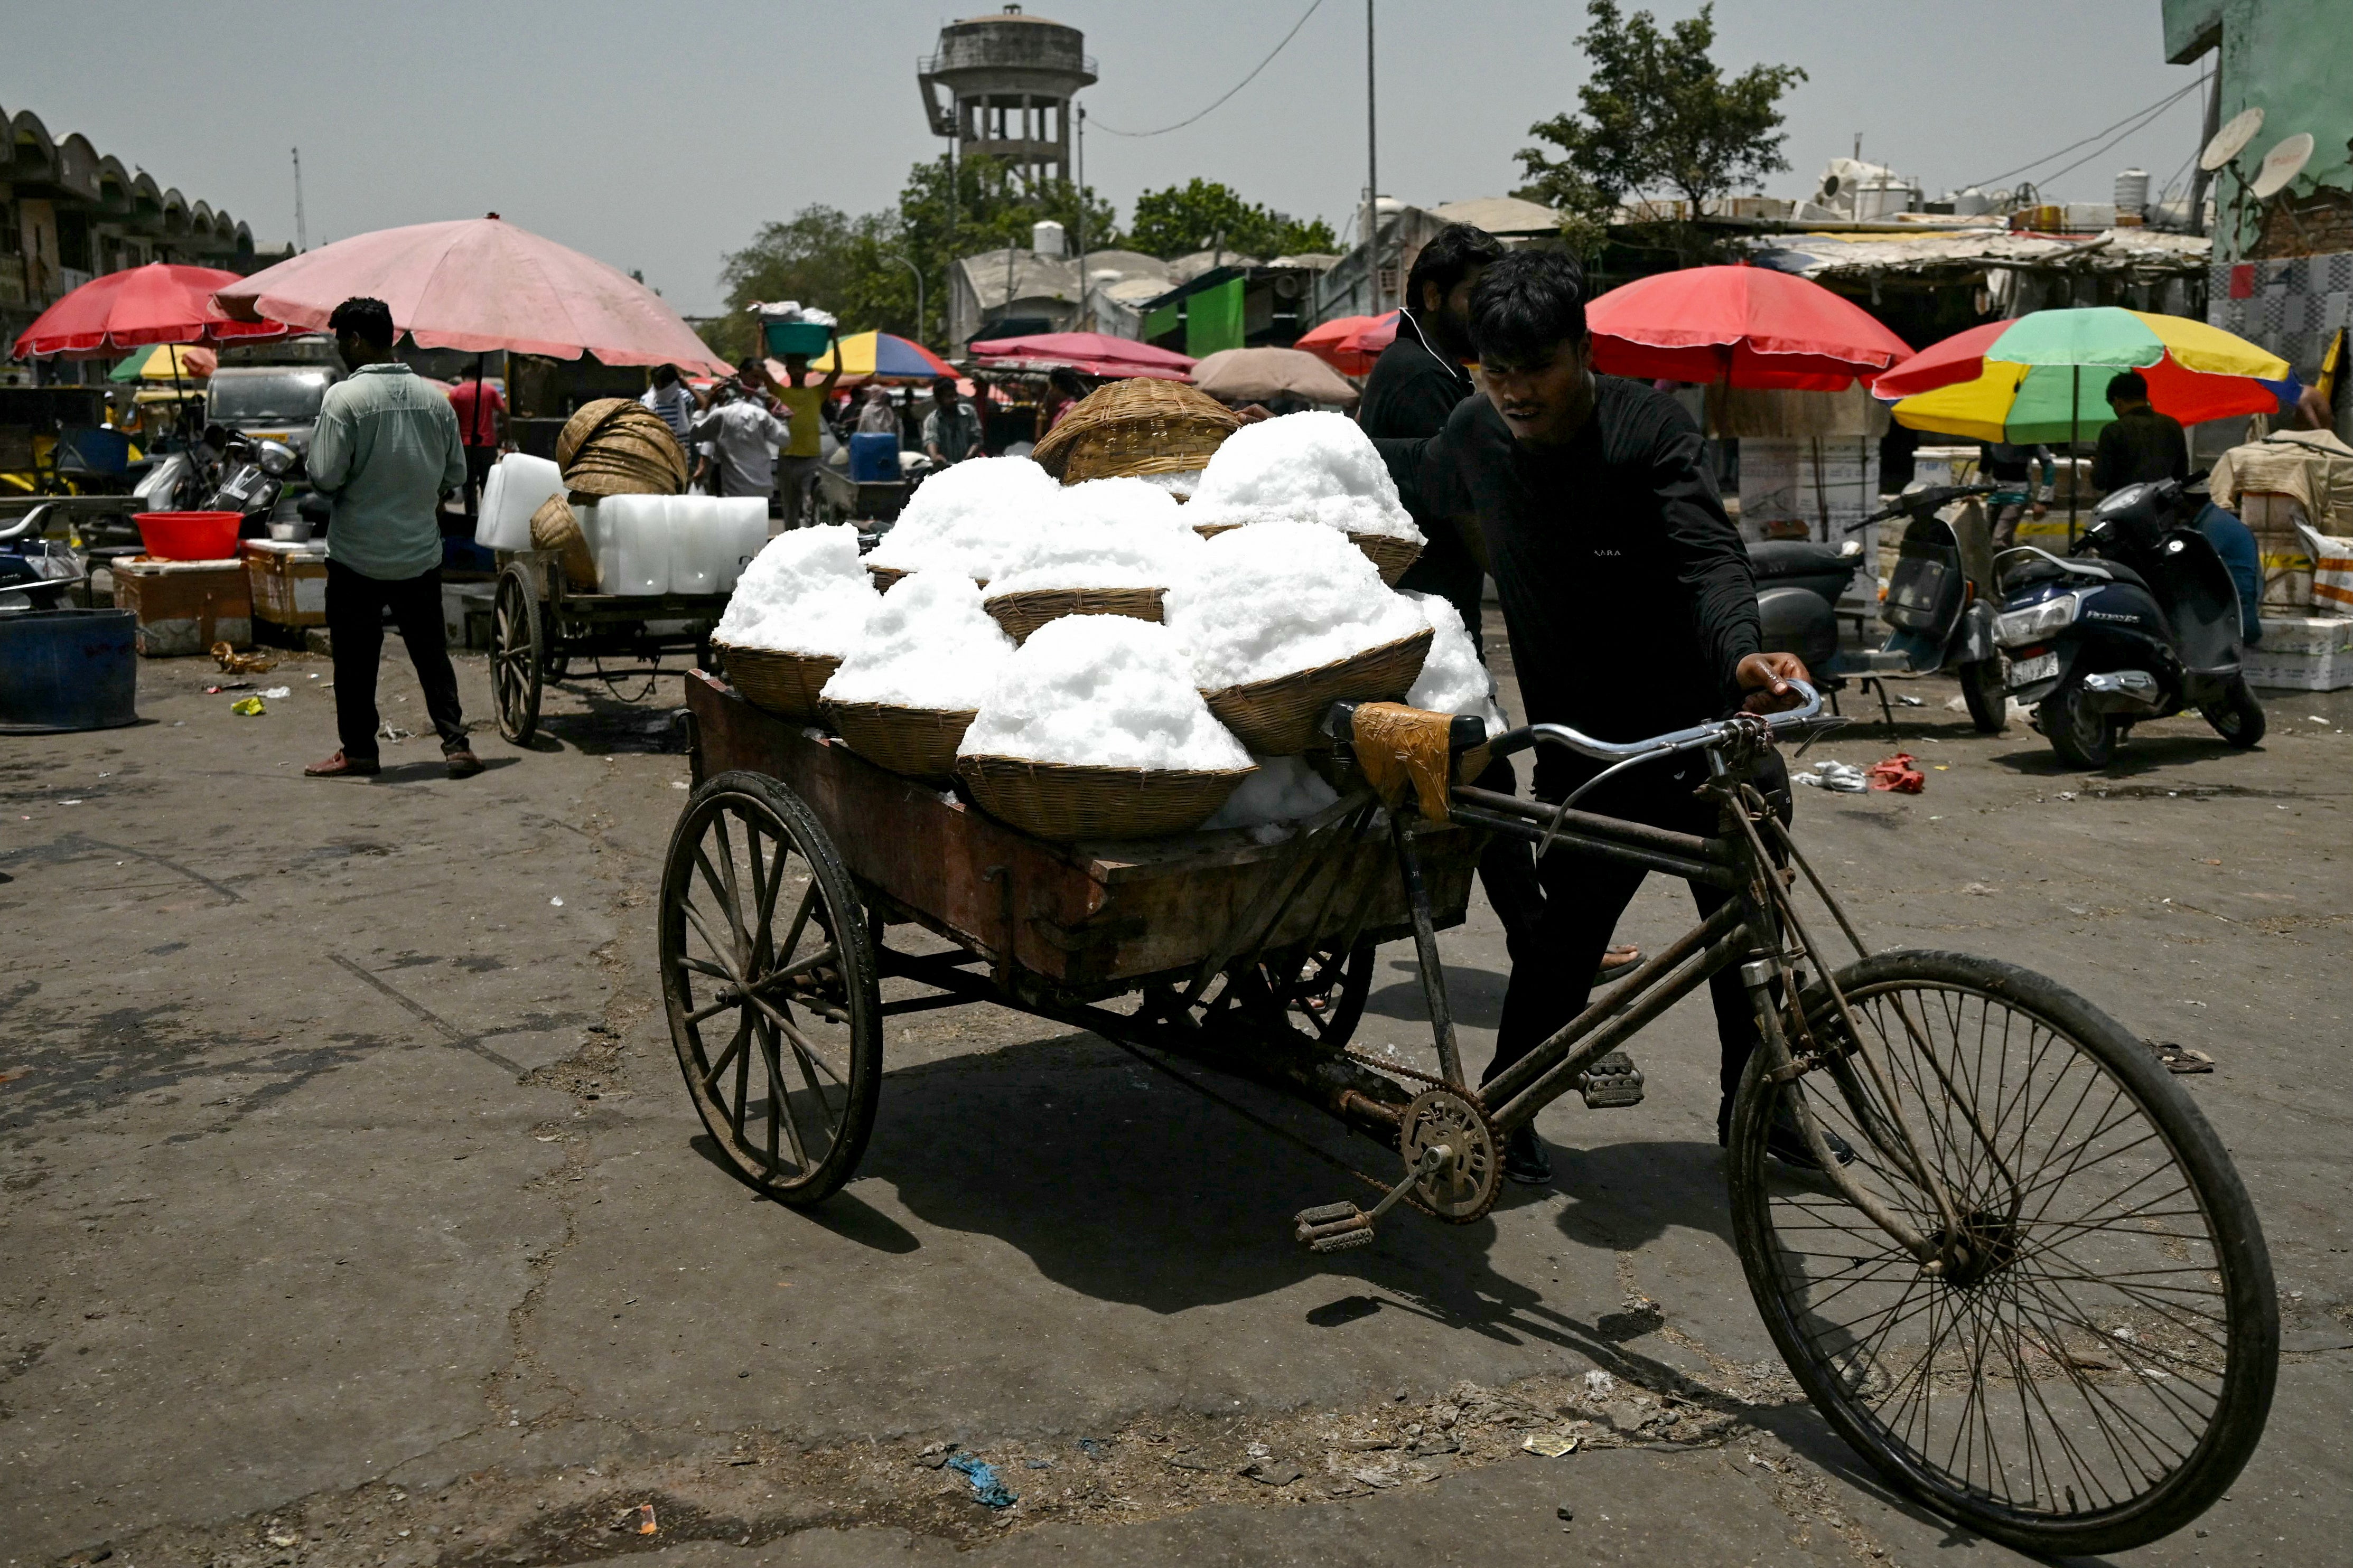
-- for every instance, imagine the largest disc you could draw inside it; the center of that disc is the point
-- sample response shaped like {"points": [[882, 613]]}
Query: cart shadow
{"points": [[1474, 996], [1119, 1184]]}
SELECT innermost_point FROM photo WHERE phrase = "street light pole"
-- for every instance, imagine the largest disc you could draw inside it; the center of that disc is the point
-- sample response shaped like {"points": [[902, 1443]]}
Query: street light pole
{"points": [[894, 255], [1372, 176]]}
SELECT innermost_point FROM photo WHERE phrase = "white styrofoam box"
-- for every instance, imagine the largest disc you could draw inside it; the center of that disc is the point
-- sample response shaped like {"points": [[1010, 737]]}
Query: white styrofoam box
{"points": [[2303, 653], [518, 486], [1788, 479], [1945, 464]]}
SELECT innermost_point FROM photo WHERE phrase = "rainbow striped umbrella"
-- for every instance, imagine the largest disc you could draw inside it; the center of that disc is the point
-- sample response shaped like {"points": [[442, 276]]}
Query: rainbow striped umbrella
{"points": [[882, 356]]}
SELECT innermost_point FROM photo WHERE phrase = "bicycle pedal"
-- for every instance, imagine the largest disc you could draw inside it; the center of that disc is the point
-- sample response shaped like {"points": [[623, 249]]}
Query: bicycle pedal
{"points": [[1612, 1080], [1333, 1227]]}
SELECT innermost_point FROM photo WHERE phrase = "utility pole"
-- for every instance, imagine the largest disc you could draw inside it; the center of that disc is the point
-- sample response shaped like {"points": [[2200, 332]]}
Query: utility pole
{"points": [[948, 267], [1083, 219], [1372, 175], [301, 232]]}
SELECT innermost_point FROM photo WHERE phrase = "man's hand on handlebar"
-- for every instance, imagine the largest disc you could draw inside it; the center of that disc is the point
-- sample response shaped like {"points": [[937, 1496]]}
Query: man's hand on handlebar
{"points": [[1765, 677]]}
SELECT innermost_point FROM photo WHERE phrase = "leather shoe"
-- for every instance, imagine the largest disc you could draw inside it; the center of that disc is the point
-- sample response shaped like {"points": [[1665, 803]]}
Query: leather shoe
{"points": [[463, 764], [1524, 1160], [339, 766]]}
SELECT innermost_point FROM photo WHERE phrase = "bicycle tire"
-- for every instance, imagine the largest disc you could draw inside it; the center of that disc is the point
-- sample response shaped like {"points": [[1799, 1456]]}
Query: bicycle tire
{"points": [[2162, 1373]]}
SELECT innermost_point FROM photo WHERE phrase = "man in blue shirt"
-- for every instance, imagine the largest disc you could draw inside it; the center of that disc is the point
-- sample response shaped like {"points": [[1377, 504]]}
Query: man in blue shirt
{"points": [[385, 448]]}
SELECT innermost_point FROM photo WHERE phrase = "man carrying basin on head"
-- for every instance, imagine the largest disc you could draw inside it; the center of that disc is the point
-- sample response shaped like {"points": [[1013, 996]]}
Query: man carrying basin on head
{"points": [[1415, 387], [1631, 611], [385, 448]]}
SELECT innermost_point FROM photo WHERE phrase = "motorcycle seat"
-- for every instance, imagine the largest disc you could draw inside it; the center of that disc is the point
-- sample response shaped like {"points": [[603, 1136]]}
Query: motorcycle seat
{"points": [[1779, 558]]}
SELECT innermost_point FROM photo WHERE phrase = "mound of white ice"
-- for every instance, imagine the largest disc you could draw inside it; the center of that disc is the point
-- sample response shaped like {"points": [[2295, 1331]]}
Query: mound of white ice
{"points": [[1090, 553], [1280, 597], [1452, 679], [927, 645], [1104, 691], [972, 516], [1303, 467], [1282, 790], [804, 593]]}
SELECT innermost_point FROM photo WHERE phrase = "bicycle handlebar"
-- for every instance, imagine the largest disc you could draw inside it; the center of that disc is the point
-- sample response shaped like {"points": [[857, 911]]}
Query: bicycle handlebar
{"points": [[1696, 738]]}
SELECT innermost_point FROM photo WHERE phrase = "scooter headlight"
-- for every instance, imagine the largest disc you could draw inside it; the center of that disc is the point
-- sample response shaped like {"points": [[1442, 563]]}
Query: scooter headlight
{"points": [[2016, 629]]}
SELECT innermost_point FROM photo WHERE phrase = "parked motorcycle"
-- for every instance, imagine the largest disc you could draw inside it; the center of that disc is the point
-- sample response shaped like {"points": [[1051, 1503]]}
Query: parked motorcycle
{"points": [[1940, 607], [1798, 584], [251, 478], [2139, 621]]}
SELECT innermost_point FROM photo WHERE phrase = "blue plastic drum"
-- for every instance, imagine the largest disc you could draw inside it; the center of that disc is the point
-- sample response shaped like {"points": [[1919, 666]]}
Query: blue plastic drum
{"points": [[874, 457], [67, 669]]}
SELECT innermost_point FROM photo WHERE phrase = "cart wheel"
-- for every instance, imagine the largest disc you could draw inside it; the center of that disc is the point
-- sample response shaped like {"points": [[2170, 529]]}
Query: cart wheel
{"points": [[766, 959], [2091, 1361], [1322, 994], [517, 652]]}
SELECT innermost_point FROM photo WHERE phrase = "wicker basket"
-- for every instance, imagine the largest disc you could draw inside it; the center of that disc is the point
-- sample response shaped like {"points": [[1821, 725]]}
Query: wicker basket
{"points": [[1391, 555], [1278, 718], [1021, 614], [555, 527], [1139, 427], [1062, 801], [884, 576], [920, 742], [618, 447], [786, 684]]}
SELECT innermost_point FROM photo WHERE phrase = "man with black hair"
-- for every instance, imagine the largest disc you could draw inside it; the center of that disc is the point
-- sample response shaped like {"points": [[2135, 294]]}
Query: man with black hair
{"points": [[385, 448], [1631, 611], [1413, 389], [2142, 445]]}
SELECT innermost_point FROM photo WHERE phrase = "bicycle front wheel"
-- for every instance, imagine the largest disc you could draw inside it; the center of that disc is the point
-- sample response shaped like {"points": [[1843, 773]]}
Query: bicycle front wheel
{"points": [[2101, 1367]]}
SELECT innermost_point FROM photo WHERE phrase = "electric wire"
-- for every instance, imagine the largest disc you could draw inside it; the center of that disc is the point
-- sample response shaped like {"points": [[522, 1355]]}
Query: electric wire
{"points": [[1314, 6], [2145, 123], [2162, 103]]}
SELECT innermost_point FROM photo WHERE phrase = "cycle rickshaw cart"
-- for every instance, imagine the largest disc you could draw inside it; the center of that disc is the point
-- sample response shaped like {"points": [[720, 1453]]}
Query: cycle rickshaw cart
{"points": [[2021, 1279], [539, 622]]}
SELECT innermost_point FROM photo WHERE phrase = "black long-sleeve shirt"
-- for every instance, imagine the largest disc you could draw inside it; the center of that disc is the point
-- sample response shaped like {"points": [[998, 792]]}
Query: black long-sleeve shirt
{"points": [[2139, 447], [1626, 590], [1411, 394]]}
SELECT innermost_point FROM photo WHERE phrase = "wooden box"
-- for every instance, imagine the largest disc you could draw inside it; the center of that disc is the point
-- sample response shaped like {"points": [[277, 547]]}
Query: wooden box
{"points": [[288, 582], [181, 607]]}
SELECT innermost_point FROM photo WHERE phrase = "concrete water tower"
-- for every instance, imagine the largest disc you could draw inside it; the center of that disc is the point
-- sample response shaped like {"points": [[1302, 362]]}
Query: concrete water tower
{"points": [[1007, 81]]}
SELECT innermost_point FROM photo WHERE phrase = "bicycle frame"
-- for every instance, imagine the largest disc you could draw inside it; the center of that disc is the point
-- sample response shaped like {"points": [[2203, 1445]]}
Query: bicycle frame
{"points": [[1756, 930]]}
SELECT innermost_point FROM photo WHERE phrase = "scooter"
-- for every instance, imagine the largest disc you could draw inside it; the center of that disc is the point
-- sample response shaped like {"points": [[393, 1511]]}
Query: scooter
{"points": [[2140, 621], [1798, 584], [251, 478], [1940, 607], [36, 572]]}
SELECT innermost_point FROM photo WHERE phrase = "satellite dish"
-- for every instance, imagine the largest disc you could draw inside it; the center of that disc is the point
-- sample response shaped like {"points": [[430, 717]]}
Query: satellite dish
{"points": [[2281, 165], [2231, 140]]}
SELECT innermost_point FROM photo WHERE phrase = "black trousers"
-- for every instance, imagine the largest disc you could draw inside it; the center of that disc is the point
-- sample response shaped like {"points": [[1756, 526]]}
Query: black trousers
{"points": [[480, 460], [1585, 897], [1507, 871], [356, 607]]}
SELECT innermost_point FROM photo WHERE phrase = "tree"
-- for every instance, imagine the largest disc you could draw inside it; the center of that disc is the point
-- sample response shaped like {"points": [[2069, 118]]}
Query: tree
{"points": [[1204, 213], [853, 266], [1659, 117]]}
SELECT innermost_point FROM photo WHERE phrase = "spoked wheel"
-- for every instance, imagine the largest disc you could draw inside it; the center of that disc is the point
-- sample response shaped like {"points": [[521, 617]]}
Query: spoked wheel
{"points": [[2099, 1367], [517, 656], [768, 973], [1324, 994]]}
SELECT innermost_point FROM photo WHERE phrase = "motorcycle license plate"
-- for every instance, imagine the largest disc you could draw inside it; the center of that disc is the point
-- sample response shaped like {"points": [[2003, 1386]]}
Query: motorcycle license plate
{"points": [[2027, 671]]}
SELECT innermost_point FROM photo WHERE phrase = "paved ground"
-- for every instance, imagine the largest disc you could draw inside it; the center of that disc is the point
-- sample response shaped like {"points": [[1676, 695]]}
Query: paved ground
{"points": [[355, 1214]]}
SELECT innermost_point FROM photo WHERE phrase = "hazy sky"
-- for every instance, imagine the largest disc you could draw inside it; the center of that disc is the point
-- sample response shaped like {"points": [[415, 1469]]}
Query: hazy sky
{"points": [[660, 136]]}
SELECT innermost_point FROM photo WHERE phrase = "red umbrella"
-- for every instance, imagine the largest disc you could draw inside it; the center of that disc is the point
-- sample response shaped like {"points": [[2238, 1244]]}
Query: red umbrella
{"points": [[1749, 326], [482, 285], [1089, 354], [158, 303], [1350, 344]]}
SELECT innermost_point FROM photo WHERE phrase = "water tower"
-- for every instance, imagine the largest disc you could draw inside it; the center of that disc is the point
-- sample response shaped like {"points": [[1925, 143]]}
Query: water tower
{"points": [[1009, 81]]}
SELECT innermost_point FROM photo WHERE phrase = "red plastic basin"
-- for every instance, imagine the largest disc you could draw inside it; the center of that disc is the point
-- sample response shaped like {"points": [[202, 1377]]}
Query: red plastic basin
{"points": [[189, 535]]}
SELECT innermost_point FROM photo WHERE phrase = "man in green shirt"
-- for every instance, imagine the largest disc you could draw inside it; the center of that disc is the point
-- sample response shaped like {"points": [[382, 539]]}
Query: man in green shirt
{"points": [[385, 448]]}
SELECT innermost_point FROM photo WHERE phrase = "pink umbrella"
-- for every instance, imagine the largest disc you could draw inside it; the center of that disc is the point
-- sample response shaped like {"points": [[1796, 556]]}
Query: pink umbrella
{"points": [[1089, 354], [479, 284], [158, 303]]}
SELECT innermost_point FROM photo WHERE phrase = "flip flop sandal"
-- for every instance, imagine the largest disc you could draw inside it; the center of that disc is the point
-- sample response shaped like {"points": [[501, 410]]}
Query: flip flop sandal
{"points": [[2181, 1059]]}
